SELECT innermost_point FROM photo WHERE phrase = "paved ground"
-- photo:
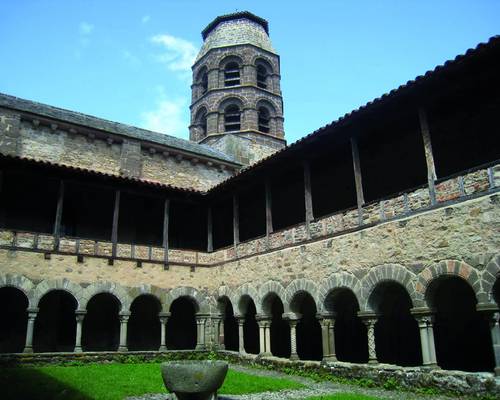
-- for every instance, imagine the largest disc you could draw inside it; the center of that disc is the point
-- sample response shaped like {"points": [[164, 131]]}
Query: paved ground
{"points": [[312, 389]]}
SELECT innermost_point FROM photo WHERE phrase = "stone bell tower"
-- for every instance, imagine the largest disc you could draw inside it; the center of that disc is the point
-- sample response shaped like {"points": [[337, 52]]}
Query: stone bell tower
{"points": [[236, 104]]}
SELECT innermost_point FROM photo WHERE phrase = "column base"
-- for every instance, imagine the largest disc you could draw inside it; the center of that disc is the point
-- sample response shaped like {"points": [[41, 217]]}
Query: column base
{"points": [[122, 348], [497, 371], [373, 361], [329, 359], [200, 347], [266, 354], [294, 357], [78, 350], [163, 348], [222, 347], [28, 350]]}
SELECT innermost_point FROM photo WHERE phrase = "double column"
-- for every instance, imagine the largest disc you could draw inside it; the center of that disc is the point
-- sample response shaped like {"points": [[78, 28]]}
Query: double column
{"points": [[492, 314], [425, 319], [79, 316], [264, 323], [201, 320], [327, 322]]}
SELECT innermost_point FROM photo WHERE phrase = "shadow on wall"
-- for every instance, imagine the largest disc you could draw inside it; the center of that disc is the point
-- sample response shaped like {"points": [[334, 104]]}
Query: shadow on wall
{"points": [[28, 383]]}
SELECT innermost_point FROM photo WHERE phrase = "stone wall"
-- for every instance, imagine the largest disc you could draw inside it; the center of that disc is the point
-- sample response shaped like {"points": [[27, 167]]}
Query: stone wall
{"points": [[119, 157], [459, 237]]}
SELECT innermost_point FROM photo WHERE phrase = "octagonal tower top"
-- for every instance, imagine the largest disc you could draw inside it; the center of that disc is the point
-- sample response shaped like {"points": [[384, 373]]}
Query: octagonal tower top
{"points": [[233, 29]]}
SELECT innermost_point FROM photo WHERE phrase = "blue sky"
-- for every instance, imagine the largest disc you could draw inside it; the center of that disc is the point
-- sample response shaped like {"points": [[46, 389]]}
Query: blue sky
{"points": [[129, 61]]}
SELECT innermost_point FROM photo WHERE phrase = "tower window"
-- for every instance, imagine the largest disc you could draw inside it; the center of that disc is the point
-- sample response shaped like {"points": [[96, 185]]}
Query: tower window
{"points": [[232, 74], [232, 119], [261, 77], [264, 120], [204, 82]]}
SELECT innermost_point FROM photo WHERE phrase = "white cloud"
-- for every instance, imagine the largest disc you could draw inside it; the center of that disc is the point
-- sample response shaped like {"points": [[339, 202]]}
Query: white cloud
{"points": [[179, 55], [145, 19], [167, 117], [86, 28]]}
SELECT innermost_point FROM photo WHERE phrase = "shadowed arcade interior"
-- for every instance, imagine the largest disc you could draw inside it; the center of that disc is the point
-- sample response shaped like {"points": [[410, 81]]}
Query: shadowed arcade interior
{"points": [[230, 324], [250, 326], [144, 324], [462, 336], [181, 326], [397, 337], [280, 329], [101, 326], [351, 343], [13, 333], [308, 328]]}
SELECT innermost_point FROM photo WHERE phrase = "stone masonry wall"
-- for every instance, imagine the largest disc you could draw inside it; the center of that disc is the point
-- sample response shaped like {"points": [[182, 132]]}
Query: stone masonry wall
{"points": [[120, 158]]}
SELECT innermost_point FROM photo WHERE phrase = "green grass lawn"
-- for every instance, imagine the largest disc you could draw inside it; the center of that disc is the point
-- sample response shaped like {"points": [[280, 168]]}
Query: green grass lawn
{"points": [[344, 396], [112, 382]]}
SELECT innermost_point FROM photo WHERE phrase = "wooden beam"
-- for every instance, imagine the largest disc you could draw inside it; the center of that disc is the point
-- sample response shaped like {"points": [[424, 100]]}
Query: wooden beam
{"points": [[166, 221], [59, 210], [116, 214], [210, 233], [357, 172], [307, 193], [429, 156], [269, 209], [236, 220]]}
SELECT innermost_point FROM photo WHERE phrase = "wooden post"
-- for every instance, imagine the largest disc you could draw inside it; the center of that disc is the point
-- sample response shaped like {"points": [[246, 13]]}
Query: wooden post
{"points": [[357, 178], [210, 240], [166, 220], [429, 156], [308, 196], [269, 210], [59, 210], [236, 220], [114, 230]]}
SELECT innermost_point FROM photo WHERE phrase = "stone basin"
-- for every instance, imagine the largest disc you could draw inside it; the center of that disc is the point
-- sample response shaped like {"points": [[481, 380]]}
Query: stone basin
{"points": [[194, 380]]}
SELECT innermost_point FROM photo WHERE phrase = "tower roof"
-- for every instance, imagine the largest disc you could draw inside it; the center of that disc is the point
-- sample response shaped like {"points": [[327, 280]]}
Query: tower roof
{"points": [[234, 29], [237, 15]]}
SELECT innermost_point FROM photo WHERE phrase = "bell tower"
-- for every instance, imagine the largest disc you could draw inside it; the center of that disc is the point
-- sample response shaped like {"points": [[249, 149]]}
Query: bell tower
{"points": [[236, 104]]}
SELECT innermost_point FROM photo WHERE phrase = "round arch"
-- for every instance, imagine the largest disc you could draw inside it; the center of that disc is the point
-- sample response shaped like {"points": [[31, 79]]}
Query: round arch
{"points": [[301, 285], [144, 324], [46, 286], [21, 283], [117, 291]]}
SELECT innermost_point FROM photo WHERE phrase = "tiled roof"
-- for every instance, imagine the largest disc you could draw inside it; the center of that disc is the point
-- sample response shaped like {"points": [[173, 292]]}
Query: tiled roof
{"points": [[491, 45], [116, 128]]}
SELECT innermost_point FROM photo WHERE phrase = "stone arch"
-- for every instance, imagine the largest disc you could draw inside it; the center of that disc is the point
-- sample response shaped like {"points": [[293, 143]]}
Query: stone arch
{"points": [[116, 290], [148, 290], [230, 100], [65, 285], [337, 280], [268, 104], [257, 56], [201, 304], [260, 59], [443, 268], [19, 282], [246, 290], [268, 288], [490, 276], [301, 285], [386, 272], [226, 59]]}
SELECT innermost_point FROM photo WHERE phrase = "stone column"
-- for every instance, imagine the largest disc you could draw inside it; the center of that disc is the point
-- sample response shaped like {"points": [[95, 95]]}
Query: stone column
{"points": [[221, 338], [491, 313], [425, 321], [241, 342], [268, 338], [495, 339], [124, 316], [32, 313], [200, 337], [370, 319], [163, 316], [328, 336], [293, 339], [262, 337], [80, 315]]}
